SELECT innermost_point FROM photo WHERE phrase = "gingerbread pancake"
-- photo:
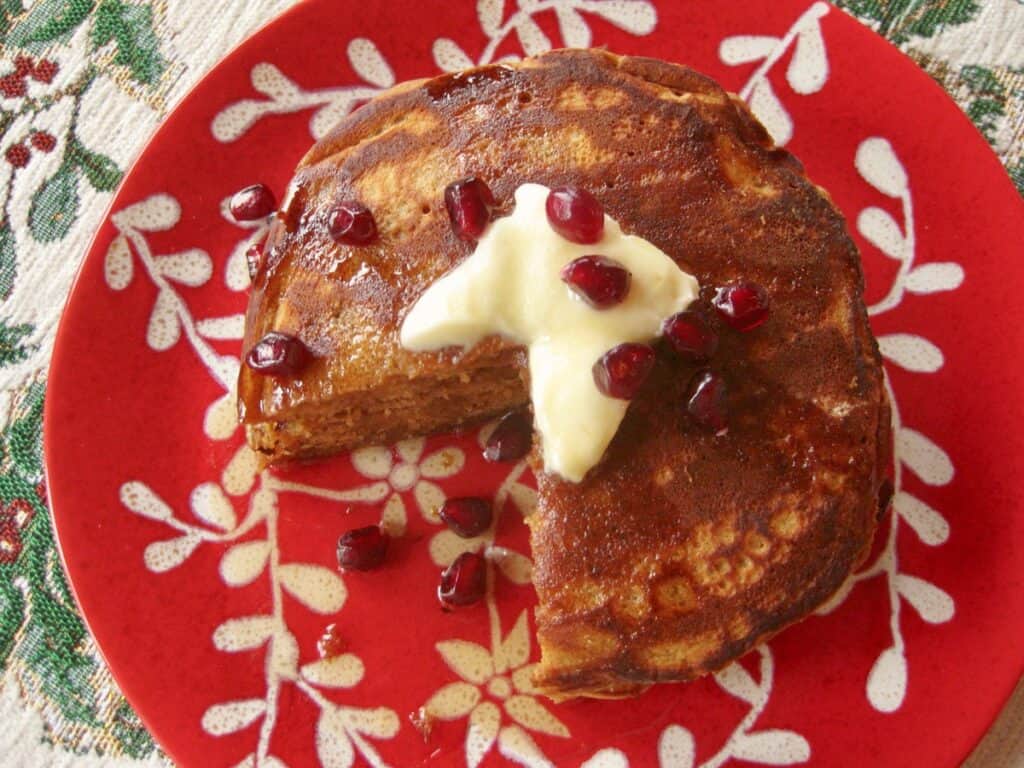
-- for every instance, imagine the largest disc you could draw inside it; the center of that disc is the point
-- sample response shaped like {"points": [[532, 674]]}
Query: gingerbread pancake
{"points": [[683, 548]]}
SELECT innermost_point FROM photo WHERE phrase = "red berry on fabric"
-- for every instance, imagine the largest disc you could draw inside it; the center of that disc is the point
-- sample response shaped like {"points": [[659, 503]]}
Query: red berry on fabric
{"points": [[13, 86], [43, 141], [45, 71], [23, 65], [18, 155]]}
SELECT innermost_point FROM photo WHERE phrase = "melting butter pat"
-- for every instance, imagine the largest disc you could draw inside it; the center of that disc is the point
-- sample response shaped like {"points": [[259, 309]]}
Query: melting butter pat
{"points": [[511, 286]]}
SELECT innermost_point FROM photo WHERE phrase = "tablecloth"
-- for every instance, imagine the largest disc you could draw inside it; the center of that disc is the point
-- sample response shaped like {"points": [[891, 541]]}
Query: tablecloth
{"points": [[83, 84]]}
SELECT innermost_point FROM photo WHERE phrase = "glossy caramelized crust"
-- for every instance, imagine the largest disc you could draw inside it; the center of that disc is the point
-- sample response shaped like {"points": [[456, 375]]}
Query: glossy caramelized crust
{"points": [[681, 550]]}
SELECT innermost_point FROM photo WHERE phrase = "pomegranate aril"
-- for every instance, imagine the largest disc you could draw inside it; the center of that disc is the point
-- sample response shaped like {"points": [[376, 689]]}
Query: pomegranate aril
{"points": [[691, 336], [253, 203], [352, 223], [575, 214], [599, 281], [253, 260], [278, 354], [362, 549], [467, 516], [744, 306], [510, 439], [331, 642], [463, 582], [705, 401], [469, 202], [622, 370], [423, 722]]}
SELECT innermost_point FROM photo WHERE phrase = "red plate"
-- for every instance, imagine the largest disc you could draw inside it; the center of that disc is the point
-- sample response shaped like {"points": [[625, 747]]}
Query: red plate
{"points": [[207, 588]]}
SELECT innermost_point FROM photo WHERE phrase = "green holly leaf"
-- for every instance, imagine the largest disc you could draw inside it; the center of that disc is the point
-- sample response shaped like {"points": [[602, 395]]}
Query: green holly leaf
{"points": [[899, 20], [983, 82], [53, 634], [54, 205], [1017, 175], [12, 347], [8, 260], [9, 10], [23, 437], [48, 21], [130, 733], [100, 170], [131, 28], [929, 16], [12, 613], [985, 114]]}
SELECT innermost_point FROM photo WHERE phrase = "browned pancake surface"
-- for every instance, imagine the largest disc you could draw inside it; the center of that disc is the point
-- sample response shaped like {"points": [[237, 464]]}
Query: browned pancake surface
{"points": [[682, 549]]}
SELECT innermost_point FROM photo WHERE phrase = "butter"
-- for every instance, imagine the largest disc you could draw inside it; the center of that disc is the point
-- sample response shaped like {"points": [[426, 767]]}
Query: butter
{"points": [[511, 286]]}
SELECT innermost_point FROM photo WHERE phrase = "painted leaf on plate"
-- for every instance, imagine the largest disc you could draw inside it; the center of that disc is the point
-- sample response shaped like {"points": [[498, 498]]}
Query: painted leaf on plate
{"points": [[877, 163], [887, 681], [369, 64], [319, 589], [676, 748], [222, 719]]}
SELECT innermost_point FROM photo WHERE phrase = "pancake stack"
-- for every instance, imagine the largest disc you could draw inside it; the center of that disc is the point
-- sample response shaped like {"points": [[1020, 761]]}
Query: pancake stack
{"points": [[683, 548]]}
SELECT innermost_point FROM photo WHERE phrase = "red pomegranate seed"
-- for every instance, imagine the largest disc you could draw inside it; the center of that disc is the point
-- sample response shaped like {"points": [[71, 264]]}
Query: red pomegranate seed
{"points": [[362, 549], [468, 516], [575, 214], [469, 202], [23, 65], [600, 281], [463, 582], [623, 369], [253, 260], [45, 71], [691, 336], [744, 306], [13, 86], [511, 438], [43, 141], [423, 722], [351, 223], [278, 354], [18, 155], [331, 642], [705, 401], [253, 203]]}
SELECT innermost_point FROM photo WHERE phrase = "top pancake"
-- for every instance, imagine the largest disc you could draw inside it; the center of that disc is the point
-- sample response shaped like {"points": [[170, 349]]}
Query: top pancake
{"points": [[681, 550]]}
